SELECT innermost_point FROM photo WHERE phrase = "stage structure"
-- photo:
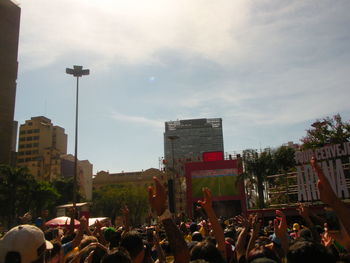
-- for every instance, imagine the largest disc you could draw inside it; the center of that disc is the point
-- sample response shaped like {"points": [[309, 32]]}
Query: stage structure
{"points": [[221, 177]]}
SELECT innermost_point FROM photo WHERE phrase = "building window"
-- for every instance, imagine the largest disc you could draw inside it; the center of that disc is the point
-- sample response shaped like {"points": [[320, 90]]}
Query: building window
{"points": [[21, 146], [20, 160], [36, 130], [30, 123], [22, 139], [29, 145], [36, 138], [30, 131], [29, 138], [22, 132], [35, 144], [28, 159], [28, 152]]}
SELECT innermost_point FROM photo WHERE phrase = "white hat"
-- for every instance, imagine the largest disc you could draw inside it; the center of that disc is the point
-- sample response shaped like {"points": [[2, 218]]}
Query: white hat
{"points": [[27, 240]]}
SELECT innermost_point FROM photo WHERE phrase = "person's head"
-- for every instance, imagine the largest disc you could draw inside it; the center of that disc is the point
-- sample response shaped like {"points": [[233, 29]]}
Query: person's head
{"points": [[23, 244], [133, 243], [262, 252], [197, 236], [193, 227], [118, 255], [306, 251], [86, 241], [306, 234], [206, 250]]}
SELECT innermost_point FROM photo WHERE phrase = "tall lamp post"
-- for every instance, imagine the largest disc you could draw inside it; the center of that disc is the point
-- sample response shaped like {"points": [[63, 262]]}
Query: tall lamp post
{"points": [[171, 192], [76, 71]]}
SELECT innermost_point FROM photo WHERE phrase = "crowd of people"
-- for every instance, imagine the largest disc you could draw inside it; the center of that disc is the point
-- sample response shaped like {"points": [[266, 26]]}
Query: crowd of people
{"points": [[244, 238]]}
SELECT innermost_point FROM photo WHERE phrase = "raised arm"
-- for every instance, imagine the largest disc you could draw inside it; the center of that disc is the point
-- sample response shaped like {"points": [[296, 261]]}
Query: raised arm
{"points": [[327, 196], [157, 199], [240, 248], [280, 228], [255, 223], [217, 229]]}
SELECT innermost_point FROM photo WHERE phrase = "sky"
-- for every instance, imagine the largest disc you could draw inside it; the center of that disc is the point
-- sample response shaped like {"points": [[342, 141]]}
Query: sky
{"points": [[268, 68]]}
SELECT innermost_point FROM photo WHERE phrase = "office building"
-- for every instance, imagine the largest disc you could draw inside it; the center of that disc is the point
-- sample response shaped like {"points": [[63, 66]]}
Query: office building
{"points": [[186, 141], [9, 28], [40, 145], [84, 177], [189, 139]]}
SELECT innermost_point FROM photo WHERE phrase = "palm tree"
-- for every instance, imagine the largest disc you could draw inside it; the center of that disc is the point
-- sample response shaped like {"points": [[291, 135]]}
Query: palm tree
{"points": [[258, 165]]}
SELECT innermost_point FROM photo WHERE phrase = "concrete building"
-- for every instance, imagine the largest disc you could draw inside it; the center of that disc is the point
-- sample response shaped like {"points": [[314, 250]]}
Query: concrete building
{"points": [[139, 178], [84, 177], [40, 146], [9, 28], [191, 138], [186, 141]]}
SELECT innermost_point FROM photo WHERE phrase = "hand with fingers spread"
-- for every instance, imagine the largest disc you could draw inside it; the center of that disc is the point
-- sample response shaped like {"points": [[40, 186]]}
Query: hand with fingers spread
{"points": [[157, 197]]}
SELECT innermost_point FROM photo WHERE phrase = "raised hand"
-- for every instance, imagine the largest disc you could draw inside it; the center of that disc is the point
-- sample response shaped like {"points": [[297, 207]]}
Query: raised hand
{"points": [[157, 197], [327, 195], [207, 200], [280, 224]]}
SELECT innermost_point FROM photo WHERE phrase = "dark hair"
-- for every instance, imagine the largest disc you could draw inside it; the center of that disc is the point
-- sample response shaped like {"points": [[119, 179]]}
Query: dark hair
{"points": [[197, 236], [262, 252], [118, 255], [207, 250], [12, 257], [306, 251], [133, 243], [99, 253]]}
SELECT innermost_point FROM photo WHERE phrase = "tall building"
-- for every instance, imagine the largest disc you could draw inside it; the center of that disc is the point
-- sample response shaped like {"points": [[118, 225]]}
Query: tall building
{"points": [[189, 139], [40, 146], [9, 28], [186, 141]]}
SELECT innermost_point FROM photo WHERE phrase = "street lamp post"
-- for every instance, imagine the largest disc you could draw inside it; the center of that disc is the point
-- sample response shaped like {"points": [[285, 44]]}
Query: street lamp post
{"points": [[171, 192], [76, 71]]}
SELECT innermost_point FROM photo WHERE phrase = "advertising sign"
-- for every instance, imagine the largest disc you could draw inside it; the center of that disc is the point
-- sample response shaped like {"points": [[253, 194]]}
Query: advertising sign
{"points": [[334, 161]]}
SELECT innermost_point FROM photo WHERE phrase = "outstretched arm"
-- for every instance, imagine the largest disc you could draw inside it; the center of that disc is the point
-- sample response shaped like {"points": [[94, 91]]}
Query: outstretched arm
{"points": [[157, 200], [327, 196], [217, 229]]}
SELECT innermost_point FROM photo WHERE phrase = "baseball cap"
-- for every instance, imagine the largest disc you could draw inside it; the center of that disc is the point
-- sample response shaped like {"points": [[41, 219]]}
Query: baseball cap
{"points": [[27, 240]]}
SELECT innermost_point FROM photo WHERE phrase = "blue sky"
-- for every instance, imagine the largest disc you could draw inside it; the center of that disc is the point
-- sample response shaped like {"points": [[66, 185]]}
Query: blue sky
{"points": [[268, 68]]}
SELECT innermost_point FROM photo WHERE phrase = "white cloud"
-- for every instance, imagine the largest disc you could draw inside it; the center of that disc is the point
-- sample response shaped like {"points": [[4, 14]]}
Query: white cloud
{"points": [[139, 120]]}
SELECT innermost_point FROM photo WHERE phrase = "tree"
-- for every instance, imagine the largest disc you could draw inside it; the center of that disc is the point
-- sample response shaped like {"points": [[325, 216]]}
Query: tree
{"points": [[259, 165], [108, 201], [64, 188], [43, 196], [13, 190], [283, 158], [326, 131]]}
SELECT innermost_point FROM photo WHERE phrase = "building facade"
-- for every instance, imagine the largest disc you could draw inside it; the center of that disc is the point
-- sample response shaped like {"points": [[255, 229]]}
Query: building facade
{"points": [[84, 176], [9, 28], [40, 145], [186, 141], [189, 139]]}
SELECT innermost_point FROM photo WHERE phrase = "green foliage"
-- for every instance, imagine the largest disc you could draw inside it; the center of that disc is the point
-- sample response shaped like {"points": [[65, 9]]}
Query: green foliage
{"points": [[108, 201], [326, 131], [64, 188], [20, 193]]}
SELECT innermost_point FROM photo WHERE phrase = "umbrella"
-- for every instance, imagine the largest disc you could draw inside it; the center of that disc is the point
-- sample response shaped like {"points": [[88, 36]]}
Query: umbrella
{"points": [[61, 221]]}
